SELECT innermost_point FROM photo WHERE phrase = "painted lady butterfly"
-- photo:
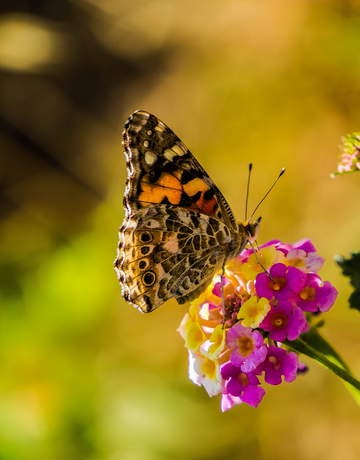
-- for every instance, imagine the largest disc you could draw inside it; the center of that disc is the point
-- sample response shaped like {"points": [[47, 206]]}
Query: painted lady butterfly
{"points": [[179, 230]]}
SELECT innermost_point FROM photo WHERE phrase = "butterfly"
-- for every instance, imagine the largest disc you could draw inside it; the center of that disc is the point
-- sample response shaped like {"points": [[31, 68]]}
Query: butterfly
{"points": [[178, 230]]}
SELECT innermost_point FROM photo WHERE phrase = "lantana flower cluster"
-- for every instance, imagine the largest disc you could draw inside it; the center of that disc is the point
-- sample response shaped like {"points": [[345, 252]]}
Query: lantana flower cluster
{"points": [[350, 159], [233, 356]]}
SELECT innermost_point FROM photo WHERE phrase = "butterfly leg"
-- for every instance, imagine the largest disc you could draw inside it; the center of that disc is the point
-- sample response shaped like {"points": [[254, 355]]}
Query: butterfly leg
{"points": [[261, 265], [222, 293]]}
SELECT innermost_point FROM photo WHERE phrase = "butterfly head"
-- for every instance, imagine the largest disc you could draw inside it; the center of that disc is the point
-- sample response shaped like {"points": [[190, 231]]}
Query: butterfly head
{"points": [[250, 230]]}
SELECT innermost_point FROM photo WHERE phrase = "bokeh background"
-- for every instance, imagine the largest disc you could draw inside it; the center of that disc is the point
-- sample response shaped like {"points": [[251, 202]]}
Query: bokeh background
{"points": [[83, 375]]}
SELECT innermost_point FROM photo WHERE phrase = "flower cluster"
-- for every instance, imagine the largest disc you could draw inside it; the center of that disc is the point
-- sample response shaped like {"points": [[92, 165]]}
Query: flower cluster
{"points": [[262, 309], [350, 158]]}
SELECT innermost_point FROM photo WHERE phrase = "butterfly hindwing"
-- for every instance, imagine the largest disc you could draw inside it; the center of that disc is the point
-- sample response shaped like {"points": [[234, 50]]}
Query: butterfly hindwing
{"points": [[167, 252]]}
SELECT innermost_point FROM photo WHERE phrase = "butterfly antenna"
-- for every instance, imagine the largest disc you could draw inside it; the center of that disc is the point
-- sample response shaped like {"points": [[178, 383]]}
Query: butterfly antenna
{"points": [[247, 190], [281, 173]]}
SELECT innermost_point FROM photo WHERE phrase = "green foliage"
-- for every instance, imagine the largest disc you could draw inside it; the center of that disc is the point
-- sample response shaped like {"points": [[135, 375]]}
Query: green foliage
{"points": [[351, 268], [335, 174]]}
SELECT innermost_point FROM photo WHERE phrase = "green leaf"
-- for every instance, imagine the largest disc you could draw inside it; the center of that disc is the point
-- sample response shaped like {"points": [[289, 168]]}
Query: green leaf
{"points": [[317, 341], [312, 344], [351, 268]]}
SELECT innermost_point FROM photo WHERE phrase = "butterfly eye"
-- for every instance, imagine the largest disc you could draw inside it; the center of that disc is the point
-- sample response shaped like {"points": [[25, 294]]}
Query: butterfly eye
{"points": [[149, 278], [146, 237]]}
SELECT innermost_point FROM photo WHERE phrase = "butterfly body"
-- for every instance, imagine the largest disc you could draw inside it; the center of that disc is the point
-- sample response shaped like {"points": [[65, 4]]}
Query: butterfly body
{"points": [[178, 229]]}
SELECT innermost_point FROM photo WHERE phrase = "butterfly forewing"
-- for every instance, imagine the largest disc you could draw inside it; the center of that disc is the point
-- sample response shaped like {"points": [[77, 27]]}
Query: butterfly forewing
{"points": [[161, 169]]}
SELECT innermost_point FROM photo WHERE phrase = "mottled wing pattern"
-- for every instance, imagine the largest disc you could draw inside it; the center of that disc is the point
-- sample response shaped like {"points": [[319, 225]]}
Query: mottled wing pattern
{"points": [[167, 252], [161, 169], [178, 228]]}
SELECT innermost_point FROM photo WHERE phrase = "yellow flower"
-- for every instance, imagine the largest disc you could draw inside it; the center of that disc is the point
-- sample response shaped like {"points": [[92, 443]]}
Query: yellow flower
{"points": [[189, 318], [252, 268], [253, 311], [218, 342], [194, 336], [207, 373]]}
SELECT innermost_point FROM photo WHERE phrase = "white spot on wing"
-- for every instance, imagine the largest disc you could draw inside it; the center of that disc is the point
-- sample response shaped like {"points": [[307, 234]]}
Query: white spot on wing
{"points": [[136, 128], [160, 127], [150, 158], [169, 154], [178, 150]]}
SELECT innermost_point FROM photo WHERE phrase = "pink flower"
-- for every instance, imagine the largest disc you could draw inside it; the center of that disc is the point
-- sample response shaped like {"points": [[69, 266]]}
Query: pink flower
{"points": [[217, 287], [248, 349], [314, 297], [350, 154], [279, 363], [247, 253], [283, 321], [242, 385], [304, 244], [287, 281], [227, 352]]}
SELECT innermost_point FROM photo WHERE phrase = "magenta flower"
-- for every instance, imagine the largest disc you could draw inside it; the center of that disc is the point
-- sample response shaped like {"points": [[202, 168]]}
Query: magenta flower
{"points": [[287, 281], [217, 287], [279, 363], [304, 244], [242, 385], [314, 297], [248, 349], [350, 154], [284, 320], [227, 352], [247, 253]]}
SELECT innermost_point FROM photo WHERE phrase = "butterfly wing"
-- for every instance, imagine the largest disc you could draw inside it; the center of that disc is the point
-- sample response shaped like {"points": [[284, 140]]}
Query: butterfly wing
{"points": [[178, 228], [167, 252], [161, 170]]}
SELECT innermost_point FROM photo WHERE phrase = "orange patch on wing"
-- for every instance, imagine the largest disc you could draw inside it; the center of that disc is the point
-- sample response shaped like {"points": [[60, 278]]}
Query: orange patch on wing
{"points": [[198, 185], [167, 180], [194, 186], [167, 186], [209, 206]]}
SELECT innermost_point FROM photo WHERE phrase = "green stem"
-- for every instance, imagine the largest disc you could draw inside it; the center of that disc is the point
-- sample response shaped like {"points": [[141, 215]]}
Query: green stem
{"points": [[302, 347]]}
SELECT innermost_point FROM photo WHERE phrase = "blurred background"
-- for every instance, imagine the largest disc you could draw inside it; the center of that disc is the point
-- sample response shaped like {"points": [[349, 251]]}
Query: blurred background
{"points": [[83, 375]]}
